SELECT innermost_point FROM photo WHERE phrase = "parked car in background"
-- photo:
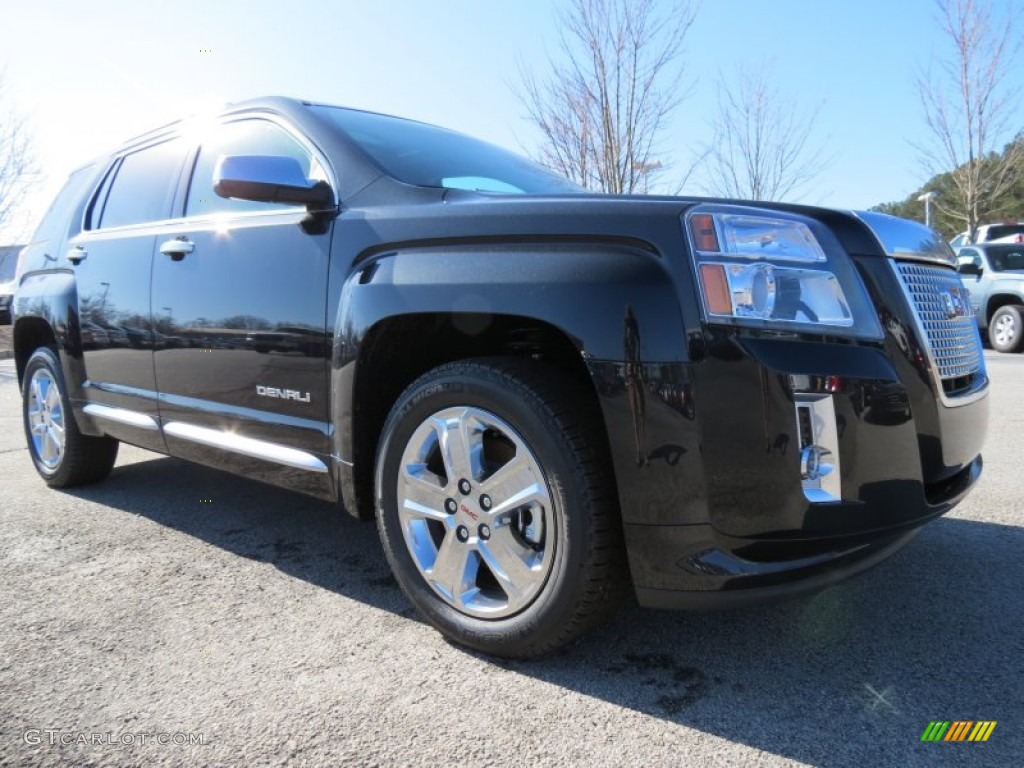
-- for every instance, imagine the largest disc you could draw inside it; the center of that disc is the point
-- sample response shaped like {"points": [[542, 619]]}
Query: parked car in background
{"points": [[8, 266], [1007, 232], [994, 275], [93, 336], [116, 336]]}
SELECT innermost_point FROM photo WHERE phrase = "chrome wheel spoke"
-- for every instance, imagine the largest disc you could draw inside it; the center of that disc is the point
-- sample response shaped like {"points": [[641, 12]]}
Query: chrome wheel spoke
{"points": [[55, 443], [516, 484], [49, 446], [454, 570], [461, 442], [52, 396], [511, 564], [419, 497], [37, 391]]}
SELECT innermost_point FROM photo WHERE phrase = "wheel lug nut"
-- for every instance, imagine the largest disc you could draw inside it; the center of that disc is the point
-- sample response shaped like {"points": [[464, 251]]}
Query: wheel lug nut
{"points": [[485, 532], [485, 502], [465, 487], [462, 533], [450, 506]]}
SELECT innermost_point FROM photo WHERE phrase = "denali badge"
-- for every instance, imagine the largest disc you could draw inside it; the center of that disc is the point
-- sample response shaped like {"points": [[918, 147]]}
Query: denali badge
{"points": [[955, 303], [282, 394]]}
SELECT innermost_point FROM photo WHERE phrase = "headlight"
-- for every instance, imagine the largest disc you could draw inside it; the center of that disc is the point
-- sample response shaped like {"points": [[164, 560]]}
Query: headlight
{"points": [[769, 270]]}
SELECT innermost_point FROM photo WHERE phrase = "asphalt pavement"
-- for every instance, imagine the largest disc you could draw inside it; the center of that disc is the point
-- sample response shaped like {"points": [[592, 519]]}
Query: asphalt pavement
{"points": [[175, 615]]}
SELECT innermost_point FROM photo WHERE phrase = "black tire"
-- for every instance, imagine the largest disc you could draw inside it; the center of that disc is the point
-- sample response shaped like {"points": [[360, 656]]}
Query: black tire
{"points": [[558, 422], [83, 459], [1006, 329]]}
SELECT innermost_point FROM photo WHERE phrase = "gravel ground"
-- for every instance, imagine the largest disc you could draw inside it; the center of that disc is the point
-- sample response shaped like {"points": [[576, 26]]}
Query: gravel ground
{"points": [[176, 600], [6, 343]]}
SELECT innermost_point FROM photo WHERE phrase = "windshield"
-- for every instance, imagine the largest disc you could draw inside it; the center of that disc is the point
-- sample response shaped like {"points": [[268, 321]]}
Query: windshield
{"points": [[1006, 258], [428, 156]]}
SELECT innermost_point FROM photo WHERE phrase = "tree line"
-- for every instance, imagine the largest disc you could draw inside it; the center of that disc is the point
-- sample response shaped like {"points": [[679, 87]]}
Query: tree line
{"points": [[1008, 205], [605, 101]]}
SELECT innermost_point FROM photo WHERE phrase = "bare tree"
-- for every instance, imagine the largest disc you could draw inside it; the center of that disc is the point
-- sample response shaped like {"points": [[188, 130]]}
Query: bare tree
{"points": [[603, 108], [763, 146], [16, 159], [971, 111]]}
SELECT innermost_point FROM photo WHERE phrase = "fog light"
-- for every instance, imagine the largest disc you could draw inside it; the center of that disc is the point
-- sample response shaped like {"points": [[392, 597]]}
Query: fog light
{"points": [[819, 447]]}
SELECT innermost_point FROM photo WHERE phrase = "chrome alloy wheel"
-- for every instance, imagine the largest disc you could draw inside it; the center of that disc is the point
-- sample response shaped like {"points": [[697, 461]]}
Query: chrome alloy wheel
{"points": [[46, 419], [476, 512], [1004, 330]]}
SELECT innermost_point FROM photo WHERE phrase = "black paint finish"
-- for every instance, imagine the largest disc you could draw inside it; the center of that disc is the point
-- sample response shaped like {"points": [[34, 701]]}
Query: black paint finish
{"points": [[346, 308]]}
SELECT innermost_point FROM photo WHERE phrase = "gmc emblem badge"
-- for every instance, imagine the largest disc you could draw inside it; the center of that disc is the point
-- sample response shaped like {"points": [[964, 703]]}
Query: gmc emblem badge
{"points": [[955, 303]]}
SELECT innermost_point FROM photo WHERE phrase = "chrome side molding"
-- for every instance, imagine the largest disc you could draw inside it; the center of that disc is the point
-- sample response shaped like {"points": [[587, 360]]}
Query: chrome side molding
{"points": [[121, 416], [247, 446]]}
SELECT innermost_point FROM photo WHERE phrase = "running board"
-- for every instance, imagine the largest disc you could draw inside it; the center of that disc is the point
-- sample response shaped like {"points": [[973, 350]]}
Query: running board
{"points": [[121, 416], [247, 446]]}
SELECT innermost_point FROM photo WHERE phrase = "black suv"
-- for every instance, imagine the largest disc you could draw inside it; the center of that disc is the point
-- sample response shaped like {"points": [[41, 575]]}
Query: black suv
{"points": [[544, 397]]}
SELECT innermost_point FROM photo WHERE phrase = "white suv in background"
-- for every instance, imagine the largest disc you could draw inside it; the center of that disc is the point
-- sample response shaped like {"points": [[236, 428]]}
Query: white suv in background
{"points": [[1007, 232], [8, 262]]}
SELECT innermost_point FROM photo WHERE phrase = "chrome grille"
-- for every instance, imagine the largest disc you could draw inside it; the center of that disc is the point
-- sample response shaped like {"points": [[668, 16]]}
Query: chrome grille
{"points": [[952, 338]]}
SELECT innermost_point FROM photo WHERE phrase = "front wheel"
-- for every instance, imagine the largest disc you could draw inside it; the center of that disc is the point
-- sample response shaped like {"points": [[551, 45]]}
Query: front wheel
{"points": [[1006, 329], [496, 506], [62, 455]]}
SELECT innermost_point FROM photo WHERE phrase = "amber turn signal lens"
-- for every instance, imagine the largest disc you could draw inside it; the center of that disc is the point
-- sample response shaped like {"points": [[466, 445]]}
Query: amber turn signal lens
{"points": [[716, 289], [702, 227]]}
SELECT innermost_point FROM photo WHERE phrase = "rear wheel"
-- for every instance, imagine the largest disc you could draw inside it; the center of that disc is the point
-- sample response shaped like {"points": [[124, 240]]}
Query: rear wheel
{"points": [[1006, 329], [62, 455], [497, 506]]}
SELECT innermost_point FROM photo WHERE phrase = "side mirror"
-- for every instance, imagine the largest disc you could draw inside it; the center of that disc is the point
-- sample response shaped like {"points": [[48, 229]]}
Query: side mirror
{"points": [[969, 268], [269, 179]]}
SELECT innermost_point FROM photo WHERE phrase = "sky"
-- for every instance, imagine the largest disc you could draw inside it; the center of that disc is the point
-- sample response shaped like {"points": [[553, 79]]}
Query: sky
{"points": [[89, 75]]}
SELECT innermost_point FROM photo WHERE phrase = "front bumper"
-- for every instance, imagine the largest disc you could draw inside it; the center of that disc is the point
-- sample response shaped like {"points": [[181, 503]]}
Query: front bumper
{"points": [[695, 567], [707, 459], [744, 582]]}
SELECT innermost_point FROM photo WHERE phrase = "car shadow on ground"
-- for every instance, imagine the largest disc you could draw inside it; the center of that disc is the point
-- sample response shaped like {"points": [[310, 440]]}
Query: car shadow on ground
{"points": [[849, 676]]}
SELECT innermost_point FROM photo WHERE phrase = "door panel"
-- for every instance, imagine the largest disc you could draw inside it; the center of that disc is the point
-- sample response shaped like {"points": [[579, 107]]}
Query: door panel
{"points": [[239, 314], [112, 261]]}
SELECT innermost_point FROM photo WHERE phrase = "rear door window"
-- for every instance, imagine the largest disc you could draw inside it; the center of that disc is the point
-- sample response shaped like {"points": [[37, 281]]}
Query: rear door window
{"points": [[55, 222], [143, 186]]}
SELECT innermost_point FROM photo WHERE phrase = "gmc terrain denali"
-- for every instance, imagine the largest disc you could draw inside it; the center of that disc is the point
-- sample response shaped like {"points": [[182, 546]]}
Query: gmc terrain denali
{"points": [[544, 397]]}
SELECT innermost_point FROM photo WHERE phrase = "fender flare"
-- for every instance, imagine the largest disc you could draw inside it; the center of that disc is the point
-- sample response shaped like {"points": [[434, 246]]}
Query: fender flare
{"points": [[52, 297], [594, 294]]}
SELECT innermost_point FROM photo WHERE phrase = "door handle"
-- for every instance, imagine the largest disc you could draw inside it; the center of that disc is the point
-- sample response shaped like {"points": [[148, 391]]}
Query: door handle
{"points": [[77, 254], [177, 248]]}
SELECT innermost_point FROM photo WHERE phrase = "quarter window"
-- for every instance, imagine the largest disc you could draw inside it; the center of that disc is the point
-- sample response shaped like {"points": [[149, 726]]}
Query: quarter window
{"points": [[243, 137], [143, 186]]}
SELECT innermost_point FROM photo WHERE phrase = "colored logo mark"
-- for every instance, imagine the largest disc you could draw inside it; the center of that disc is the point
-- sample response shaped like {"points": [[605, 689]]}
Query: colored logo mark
{"points": [[958, 730]]}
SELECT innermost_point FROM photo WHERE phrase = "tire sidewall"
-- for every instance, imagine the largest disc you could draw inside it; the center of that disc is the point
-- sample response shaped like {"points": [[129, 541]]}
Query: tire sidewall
{"points": [[422, 400]]}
